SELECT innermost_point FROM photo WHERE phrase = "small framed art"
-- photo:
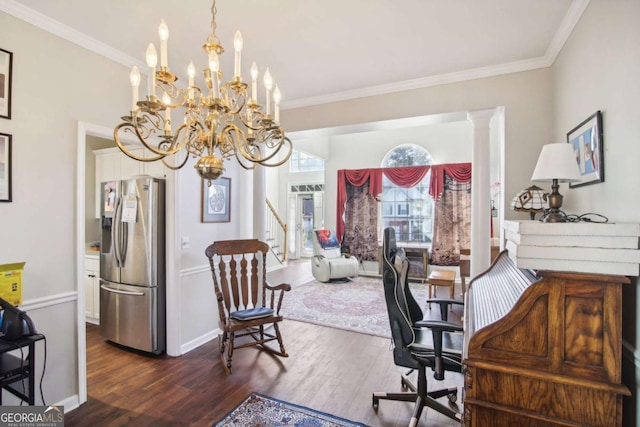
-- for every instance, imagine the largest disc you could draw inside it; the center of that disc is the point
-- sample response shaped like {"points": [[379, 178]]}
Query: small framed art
{"points": [[216, 200], [586, 140], [6, 58], [5, 167]]}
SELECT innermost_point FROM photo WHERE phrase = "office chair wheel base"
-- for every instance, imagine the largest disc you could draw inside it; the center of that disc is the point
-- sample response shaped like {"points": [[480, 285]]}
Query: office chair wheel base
{"points": [[453, 397], [405, 383], [375, 403]]}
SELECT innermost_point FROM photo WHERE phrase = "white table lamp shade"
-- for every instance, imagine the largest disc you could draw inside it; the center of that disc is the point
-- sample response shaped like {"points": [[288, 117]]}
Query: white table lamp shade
{"points": [[557, 161]]}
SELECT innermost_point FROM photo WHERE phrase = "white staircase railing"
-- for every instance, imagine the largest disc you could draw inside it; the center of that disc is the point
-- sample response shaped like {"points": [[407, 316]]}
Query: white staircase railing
{"points": [[276, 233]]}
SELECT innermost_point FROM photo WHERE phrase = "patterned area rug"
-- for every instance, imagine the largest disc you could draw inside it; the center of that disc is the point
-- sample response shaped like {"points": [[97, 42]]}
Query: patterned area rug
{"points": [[356, 305], [263, 411]]}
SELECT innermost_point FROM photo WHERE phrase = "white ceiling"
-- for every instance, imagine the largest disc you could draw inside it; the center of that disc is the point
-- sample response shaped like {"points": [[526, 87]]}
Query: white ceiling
{"points": [[321, 51]]}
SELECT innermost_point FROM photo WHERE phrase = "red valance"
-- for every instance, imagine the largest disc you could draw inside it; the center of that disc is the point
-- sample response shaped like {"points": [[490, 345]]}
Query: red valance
{"points": [[402, 177], [461, 172], [407, 176]]}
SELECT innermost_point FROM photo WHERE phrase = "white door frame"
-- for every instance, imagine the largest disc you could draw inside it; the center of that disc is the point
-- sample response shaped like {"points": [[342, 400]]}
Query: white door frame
{"points": [[172, 221]]}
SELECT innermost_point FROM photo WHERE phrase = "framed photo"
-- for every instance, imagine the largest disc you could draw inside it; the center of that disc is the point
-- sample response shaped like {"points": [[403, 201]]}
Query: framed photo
{"points": [[5, 167], [586, 140], [216, 200], [6, 58]]}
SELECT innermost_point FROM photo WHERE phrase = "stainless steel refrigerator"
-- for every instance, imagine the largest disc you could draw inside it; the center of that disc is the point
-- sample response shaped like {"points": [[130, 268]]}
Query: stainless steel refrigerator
{"points": [[132, 264]]}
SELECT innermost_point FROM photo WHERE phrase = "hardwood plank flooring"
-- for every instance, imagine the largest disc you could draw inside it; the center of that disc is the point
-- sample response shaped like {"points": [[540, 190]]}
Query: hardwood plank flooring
{"points": [[328, 370]]}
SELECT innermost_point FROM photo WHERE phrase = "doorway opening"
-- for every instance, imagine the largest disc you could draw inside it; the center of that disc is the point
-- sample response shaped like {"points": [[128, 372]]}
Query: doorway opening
{"points": [[306, 225], [306, 214], [84, 214]]}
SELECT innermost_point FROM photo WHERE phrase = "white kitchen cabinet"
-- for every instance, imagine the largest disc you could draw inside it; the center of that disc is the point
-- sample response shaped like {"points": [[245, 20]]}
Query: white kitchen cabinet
{"points": [[155, 169], [113, 165], [92, 288]]}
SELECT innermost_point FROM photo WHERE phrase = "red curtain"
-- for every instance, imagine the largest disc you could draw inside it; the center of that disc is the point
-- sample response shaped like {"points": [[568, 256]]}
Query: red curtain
{"points": [[451, 222], [356, 177], [461, 172], [360, 238], [403, 177], [406, 176]]}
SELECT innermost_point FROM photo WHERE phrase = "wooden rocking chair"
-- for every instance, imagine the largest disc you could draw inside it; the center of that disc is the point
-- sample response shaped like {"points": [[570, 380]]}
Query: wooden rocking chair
{"points": [[239, 275]]}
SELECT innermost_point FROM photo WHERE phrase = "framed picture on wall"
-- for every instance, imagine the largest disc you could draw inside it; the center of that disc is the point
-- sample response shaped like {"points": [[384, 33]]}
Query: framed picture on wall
{"points": [[5, 167], [216, 200], [586, 140], [6, 59]]}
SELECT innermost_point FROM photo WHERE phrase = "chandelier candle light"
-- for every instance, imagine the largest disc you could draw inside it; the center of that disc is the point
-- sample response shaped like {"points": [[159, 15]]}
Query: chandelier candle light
{"points": [[219, 122]]}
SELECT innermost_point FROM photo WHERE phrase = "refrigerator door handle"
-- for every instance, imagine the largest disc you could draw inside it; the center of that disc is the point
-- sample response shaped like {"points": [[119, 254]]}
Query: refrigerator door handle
{"points": [[121, 234], [115, 233], [117, 291], [124, 241]]}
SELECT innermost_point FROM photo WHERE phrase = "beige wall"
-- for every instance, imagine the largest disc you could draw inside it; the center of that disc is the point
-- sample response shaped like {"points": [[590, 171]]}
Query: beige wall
{"points": [[598, 69], [527, 99], [55, 84]]}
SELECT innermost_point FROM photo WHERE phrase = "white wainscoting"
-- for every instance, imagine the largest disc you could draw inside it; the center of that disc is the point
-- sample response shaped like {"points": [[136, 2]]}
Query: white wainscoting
{"points": [[190, 278]]}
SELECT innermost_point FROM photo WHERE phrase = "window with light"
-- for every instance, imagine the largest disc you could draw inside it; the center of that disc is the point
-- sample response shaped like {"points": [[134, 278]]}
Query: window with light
{"points": [[302, 162], [409, 211]]}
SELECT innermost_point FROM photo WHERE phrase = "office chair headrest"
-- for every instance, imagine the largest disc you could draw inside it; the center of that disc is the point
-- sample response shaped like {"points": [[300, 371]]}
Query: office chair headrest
{"points": [[389, 247]]}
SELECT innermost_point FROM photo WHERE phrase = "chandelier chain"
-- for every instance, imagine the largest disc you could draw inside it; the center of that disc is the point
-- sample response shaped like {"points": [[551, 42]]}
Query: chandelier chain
{"points": [[214, 12]]}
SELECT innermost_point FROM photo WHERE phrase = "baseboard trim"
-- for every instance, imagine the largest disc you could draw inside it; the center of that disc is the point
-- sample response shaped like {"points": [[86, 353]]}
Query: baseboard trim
{"points": [[197, 342], [69, 404]]}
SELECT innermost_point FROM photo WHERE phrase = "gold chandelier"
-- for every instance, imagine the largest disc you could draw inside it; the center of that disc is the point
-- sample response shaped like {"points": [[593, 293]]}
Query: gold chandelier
{"points": [[221, 119]]}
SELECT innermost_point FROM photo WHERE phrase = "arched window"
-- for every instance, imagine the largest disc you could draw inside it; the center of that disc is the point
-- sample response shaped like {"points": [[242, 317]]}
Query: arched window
{"points": [[408, 210]]}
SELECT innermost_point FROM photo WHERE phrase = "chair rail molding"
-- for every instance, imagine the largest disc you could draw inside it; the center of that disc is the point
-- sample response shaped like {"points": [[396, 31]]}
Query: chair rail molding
{"points": [[48, 301]]}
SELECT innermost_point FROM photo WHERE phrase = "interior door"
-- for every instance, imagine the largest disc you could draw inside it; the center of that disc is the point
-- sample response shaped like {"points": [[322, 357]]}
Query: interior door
{"points": [[305, 202], [301, 224]]}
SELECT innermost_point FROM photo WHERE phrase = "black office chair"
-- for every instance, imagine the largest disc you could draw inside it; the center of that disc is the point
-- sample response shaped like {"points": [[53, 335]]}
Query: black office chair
{"points": [[418, 344]]}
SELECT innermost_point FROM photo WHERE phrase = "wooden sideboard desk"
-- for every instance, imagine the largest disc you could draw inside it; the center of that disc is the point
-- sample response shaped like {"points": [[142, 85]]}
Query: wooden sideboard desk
{"points": [[542, 349]]}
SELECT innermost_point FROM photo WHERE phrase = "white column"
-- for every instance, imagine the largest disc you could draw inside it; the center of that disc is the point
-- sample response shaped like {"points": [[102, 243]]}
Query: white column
{"points": [[480, 191], [259, 204]]}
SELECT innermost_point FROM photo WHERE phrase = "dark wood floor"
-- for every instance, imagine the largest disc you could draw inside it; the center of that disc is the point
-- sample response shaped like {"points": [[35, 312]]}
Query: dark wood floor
{"points": [[329, 370]]}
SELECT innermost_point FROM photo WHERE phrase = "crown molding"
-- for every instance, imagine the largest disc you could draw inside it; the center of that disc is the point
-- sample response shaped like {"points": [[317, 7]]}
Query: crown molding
{"points": [[566, 27], [570, 20], [424, 82], [561, 36], [65, 32]]}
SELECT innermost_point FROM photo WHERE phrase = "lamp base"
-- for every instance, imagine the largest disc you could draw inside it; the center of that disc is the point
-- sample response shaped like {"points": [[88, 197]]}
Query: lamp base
{"points": [[555, 217], [555, 202]]}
